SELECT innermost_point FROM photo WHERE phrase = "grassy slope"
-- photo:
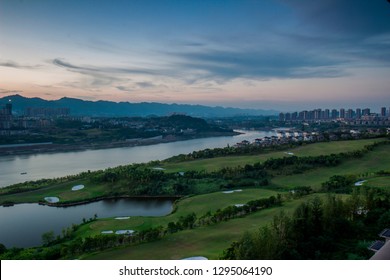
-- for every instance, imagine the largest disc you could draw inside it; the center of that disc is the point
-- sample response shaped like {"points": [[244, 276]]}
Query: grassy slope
{"points": [[207, 241], [61, 190], [376, 160], [199, 204], [380, 182], [315, 149], [212, 240]]}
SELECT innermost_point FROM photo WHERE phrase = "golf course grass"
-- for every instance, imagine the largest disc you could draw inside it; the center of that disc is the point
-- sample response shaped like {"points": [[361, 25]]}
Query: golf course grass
{"points": [[207, 241], [199, 204], [315, 149], [374, 161], [378, 182]]}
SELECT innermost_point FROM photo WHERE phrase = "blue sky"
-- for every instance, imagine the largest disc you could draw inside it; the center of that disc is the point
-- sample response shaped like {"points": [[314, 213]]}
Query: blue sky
{"points": [[272, 54]]}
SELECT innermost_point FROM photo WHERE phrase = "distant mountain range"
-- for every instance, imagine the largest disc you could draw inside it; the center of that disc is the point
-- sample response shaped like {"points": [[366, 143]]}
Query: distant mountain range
{"points": [[101, 108]]}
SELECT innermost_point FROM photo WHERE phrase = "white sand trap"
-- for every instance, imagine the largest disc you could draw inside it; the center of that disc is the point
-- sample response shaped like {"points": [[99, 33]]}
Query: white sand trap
{"points": [[78, 187], [239, 205], [122, 218], [107, 231], [360, 183], [289, 153], [228, 192], [239, 190], [52, 199], [125, 231], [158, 168], [196, 258]]}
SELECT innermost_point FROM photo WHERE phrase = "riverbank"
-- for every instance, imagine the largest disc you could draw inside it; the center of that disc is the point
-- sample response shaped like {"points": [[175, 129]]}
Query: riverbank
{"points": [[40, 148]]}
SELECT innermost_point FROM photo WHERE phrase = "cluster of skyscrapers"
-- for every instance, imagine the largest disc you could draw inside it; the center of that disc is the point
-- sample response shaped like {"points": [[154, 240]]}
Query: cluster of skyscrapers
{"points": [[6, 116], [334, 114]]}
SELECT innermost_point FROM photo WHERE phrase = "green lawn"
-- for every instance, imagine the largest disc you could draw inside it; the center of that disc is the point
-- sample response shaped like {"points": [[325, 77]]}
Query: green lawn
{"points": [[208, 241], [380, 182], [199, 204], [376, 160], [61, 190], [315, 149]]}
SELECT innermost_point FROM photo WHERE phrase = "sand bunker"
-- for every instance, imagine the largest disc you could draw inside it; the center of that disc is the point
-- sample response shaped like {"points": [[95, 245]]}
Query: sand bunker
{"points": [[122, 218], [239, 205], [239, 190], [107, 231], [125, 231], [196, 258], [52, 199], [158, 168], [289, 153], [360, 183], [78, 187]]}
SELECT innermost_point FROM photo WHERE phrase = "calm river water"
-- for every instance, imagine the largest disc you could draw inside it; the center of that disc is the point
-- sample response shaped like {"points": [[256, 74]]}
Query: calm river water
{"points": [[23, 225], [40, 166]]}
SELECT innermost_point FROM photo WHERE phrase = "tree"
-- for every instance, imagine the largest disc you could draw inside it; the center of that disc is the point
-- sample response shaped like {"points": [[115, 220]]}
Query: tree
{"points": [[3, 249], [48, 237]]}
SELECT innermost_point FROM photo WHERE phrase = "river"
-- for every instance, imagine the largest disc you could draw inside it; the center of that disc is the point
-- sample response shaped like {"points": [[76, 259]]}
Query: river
{"points": [[23, 225], [21, 168]]}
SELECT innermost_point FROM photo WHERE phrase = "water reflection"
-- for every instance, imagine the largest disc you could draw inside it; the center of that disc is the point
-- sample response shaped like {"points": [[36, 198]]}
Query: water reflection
{"points": [[23, 225]]}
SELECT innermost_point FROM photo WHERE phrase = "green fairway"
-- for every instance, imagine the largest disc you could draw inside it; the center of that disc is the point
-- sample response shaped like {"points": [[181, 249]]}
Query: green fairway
{"points": [[199, 205], [61, 190], [379, 182], [316, 149], [207, 241], [374, 161]]}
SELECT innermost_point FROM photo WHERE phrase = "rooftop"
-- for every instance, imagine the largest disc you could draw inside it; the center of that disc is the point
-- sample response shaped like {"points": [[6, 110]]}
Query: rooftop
{"points": [[385, 233]]}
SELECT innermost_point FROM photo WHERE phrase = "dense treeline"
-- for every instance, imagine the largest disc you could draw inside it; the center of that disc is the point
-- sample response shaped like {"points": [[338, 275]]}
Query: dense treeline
{"points": [[330, 228], [230, 151]]}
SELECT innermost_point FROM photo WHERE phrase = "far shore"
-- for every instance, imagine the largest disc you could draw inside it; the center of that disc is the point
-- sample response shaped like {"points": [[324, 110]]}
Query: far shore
{"points": [[38, 148]]}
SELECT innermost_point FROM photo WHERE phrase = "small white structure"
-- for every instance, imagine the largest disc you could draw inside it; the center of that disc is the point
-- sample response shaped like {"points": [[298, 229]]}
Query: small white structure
{"points": [[196, 258], [239, 190], [78, 187], [360, 183], [125, 231], [239, 205], [158, 168], [122, 218], [52, 199], [228, 192]]}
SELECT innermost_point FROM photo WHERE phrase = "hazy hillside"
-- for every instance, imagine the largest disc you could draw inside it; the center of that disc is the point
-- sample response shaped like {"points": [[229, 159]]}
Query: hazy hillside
{"points": [[110, 109]]}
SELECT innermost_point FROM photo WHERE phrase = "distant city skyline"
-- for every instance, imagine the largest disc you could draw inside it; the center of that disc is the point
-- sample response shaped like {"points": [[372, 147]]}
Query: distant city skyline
{"points": [[286, 55], [333, 113]]}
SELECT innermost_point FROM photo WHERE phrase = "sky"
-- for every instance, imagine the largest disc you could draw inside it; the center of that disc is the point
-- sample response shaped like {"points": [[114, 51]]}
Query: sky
{"points": [[266, 54]]}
